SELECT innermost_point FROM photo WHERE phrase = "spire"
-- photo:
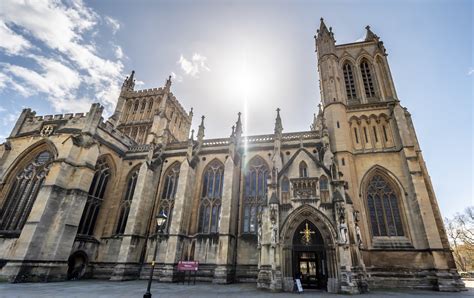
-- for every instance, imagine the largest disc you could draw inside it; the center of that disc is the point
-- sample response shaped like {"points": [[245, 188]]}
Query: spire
{"points": [[200, 134], [319, 120], [370, 35], [238, 126], [191, 113], [278, 125], [325, 42], [129, 82], [168, 84]]}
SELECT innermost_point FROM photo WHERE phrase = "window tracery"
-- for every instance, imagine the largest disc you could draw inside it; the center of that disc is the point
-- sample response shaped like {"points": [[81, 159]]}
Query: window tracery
{"points": [[169, 192], [255, 193], [383, 208], [95, 197], [23, 192], [210, 206], [349, 81], [127, 202], [367, 79]]}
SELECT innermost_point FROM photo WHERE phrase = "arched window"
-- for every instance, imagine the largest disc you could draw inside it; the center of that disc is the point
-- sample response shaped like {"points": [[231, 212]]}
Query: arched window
{"points": [[383, 208], [210, 207], [285, 189], [324, 189], [169, 192], [23, 192], [255, 193], [367, 79], [127, 201], [349, 81], [95, 197], [303, 170]]}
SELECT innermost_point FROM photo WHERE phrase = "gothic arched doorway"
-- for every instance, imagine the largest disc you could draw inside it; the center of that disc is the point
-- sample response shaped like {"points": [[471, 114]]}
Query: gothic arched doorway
{"points": [[310, 249], [309, 256]]}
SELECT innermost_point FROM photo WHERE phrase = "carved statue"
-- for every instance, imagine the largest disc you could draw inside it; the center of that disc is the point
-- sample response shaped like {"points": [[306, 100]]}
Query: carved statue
{"points": [[274, 234], [259, 229], [343, 233], [358, 236]]}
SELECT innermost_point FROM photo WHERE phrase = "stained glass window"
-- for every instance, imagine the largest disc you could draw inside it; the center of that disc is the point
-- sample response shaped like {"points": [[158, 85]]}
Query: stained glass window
{"points": [[383, 208], [95, 197], [169, 192], [23, 192], [211, 196], [127, 201], [255, 193]]}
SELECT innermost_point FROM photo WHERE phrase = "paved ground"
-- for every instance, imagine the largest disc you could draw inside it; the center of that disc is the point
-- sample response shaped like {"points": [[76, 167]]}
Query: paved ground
{"points": [[92, 289]]}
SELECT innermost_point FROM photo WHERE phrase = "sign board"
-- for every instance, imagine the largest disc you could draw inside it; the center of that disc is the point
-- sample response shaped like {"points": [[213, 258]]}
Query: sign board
{"points": [[299, 287], [188, 265]]}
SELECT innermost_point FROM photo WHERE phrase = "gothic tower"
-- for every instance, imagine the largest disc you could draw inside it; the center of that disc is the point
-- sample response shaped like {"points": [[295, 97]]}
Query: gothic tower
{"points": [[375, 146]]}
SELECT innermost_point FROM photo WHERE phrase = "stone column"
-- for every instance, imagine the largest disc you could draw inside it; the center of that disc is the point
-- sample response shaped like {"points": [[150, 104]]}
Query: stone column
{"points": [[179, 220], [225, 269], [43, 248], [128, 262]]}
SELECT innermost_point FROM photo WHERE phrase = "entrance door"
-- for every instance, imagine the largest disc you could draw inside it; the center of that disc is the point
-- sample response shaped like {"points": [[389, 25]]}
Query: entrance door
{"points": [[308, 269], [309, 257]]}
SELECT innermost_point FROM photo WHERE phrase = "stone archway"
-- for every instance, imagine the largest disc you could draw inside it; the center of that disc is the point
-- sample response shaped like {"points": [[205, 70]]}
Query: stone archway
{"points": [[323, 246], [77, 265]]}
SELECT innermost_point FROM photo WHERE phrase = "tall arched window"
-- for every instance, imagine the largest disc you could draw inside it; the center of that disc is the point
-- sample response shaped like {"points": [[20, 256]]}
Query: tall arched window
{"points": [[169, 192], [127, 201], [367, 79], [383, 208], [303, 170], [285, 189], [255, 193], [349, 81], [324, 189], [210, 207], [23, 192], [95, 197]]}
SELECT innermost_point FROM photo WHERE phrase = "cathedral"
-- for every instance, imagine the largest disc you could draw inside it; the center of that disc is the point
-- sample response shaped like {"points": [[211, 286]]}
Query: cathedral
{"points": [[346, 206]]}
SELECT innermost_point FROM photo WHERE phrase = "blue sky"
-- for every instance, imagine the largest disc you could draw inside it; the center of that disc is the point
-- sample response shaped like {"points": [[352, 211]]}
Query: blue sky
{"points": [[248, 56]]}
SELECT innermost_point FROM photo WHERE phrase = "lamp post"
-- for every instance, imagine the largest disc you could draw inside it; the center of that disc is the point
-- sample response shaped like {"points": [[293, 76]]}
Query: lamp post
{"points": [[160, 224]]}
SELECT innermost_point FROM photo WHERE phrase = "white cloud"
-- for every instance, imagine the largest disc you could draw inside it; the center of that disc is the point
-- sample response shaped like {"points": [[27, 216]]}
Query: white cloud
{"points": [[72, 62], [113, 23], [193, 67], [2, 109], [118, 52], [470, 72], [12, 42], [176, 77]]}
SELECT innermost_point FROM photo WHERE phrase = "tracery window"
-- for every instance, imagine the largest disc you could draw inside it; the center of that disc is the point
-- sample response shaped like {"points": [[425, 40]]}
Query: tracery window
{"points": [[383, 208], [303, 170], [367, 79], [255, 193], [349, 81], [169, 192], [210, 206], [95, 197], [127, 201], [23, 192], [324, 189]]}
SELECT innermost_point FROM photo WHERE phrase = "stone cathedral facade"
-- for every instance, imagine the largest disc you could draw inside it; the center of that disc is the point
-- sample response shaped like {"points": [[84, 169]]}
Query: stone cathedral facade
{"points": [[346, 206]]}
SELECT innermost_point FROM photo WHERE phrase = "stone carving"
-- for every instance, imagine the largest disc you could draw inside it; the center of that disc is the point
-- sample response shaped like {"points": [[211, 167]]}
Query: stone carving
{"points": [[47, 130]]}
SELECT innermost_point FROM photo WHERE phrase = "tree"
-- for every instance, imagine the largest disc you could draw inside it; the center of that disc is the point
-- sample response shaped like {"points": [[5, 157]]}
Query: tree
{"points": [[460, 230]]}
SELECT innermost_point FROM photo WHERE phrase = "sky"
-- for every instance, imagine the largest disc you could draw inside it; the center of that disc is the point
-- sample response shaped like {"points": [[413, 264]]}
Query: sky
{"points": [[252, 57]]}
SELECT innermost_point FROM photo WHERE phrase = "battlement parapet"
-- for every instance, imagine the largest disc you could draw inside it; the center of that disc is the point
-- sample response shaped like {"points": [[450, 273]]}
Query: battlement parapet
{"points": [[109, 128], [67, 116]]}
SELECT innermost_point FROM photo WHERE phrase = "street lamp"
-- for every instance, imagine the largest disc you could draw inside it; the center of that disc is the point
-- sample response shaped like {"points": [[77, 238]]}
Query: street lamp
{"points": [[160, 224]]}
